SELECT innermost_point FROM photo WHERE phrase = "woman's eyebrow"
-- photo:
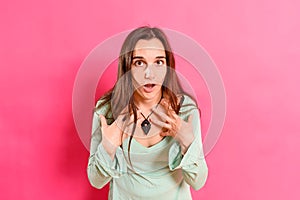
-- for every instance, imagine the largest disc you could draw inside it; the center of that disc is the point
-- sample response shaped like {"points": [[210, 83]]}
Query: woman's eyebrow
{"points": [[161, 57], [141, 57], [137, 57]]}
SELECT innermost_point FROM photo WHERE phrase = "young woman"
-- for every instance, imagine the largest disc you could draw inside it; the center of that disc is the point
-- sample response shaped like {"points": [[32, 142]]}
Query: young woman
{"points": [[146, 132]]}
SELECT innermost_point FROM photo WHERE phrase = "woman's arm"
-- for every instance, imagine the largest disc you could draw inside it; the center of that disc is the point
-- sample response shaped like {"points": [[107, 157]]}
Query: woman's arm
{"points": [[187, 152], [193, 162], [105, 161]]}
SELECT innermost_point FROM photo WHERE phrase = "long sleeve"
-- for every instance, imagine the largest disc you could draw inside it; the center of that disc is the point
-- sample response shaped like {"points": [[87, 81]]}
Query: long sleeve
{"points": [[101, 168], [192, 163]]}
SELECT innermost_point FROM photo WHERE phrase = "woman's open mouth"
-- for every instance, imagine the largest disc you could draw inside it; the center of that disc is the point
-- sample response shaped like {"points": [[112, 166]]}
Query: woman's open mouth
{"points": [[148, 87]]}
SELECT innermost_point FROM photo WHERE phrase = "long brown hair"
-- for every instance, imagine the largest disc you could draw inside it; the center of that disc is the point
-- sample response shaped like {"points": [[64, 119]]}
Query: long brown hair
{"points": [[120, 93]]}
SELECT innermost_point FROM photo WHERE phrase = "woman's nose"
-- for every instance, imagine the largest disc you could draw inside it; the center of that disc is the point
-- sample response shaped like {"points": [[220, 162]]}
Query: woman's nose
{"points": [[149, 72]]}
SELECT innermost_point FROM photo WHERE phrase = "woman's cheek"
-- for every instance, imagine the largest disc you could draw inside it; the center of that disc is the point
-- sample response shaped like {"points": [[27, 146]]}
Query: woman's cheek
{"points": [[161, 74], [137, 76]]}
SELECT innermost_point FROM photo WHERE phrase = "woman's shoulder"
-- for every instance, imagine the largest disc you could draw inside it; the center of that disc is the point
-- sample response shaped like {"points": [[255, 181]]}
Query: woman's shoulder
{"points": [[187, 100], [188, 104], [102, 106]]}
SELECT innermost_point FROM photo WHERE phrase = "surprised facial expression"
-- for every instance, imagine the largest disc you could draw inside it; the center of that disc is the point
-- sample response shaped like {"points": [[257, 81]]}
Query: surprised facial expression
{"points": [[148, 68]]}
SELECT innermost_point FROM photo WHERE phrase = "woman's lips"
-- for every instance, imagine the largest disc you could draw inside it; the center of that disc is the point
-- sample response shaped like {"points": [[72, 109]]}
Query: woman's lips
{"points": [[148, 87]]}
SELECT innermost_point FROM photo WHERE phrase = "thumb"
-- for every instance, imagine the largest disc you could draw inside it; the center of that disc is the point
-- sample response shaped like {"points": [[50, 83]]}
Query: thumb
{"points": [[102, 120], [190, 119]]}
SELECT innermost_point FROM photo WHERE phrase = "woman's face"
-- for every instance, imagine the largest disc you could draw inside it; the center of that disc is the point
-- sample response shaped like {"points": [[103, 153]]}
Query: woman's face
{"points": [[148, 68]]}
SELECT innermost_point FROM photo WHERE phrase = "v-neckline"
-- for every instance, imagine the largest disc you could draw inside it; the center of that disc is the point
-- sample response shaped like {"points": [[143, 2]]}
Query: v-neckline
{"points": [[159, 144]]}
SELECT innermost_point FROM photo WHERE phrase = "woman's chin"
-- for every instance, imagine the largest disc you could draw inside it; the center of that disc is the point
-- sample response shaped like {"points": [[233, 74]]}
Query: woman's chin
{"points": [[149, 93]]}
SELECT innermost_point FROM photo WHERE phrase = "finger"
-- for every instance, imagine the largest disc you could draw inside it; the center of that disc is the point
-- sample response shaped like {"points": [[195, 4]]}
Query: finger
{"points": [[168, 108], [163, 116], [190, 119], [173, 115], [167, 133], [165, 104], [161, 124], [103, 120]]}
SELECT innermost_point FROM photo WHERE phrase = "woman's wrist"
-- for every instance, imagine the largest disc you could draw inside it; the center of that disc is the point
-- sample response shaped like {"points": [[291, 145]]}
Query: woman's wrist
{"points": [[185, 141], [109, 147]]}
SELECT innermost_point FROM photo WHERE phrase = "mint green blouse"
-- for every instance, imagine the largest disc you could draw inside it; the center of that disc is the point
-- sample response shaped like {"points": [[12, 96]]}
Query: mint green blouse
{"points": [[157, 172]]}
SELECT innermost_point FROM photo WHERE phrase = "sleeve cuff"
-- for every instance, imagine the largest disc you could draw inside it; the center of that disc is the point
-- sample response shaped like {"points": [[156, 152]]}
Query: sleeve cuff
{"points": [[177, 160], [114, 168]]}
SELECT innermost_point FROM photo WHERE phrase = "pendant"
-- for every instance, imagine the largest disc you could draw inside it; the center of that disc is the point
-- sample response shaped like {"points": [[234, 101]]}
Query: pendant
{"points": [[146, 126]]}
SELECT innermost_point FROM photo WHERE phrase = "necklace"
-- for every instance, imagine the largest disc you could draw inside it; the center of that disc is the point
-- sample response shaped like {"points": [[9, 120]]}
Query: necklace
{"points": [[146, 125]]}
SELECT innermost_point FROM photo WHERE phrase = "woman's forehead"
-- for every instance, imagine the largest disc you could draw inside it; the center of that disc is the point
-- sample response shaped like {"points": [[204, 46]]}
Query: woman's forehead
{"points": [[152, 46], [149, 44]]}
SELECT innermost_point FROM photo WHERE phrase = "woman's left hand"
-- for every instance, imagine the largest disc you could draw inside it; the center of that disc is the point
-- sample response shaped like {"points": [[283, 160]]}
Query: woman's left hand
{"points": [[172, 125]]}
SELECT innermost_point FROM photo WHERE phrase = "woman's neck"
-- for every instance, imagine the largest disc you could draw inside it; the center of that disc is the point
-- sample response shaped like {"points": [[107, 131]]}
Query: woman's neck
{"points": [[146, 104]]}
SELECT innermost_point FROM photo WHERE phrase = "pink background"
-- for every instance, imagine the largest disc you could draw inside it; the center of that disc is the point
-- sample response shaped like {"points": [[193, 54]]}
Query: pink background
{"points": [[255, 45]]}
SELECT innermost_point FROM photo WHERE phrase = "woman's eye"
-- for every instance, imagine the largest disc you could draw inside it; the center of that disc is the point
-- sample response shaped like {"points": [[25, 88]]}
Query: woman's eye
{"points": [[160, 62], [139, 63]]}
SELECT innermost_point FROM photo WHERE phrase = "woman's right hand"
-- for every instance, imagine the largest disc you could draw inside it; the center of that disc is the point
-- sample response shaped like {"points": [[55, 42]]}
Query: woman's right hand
{"points": [[112, 136], [111, 132]]}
